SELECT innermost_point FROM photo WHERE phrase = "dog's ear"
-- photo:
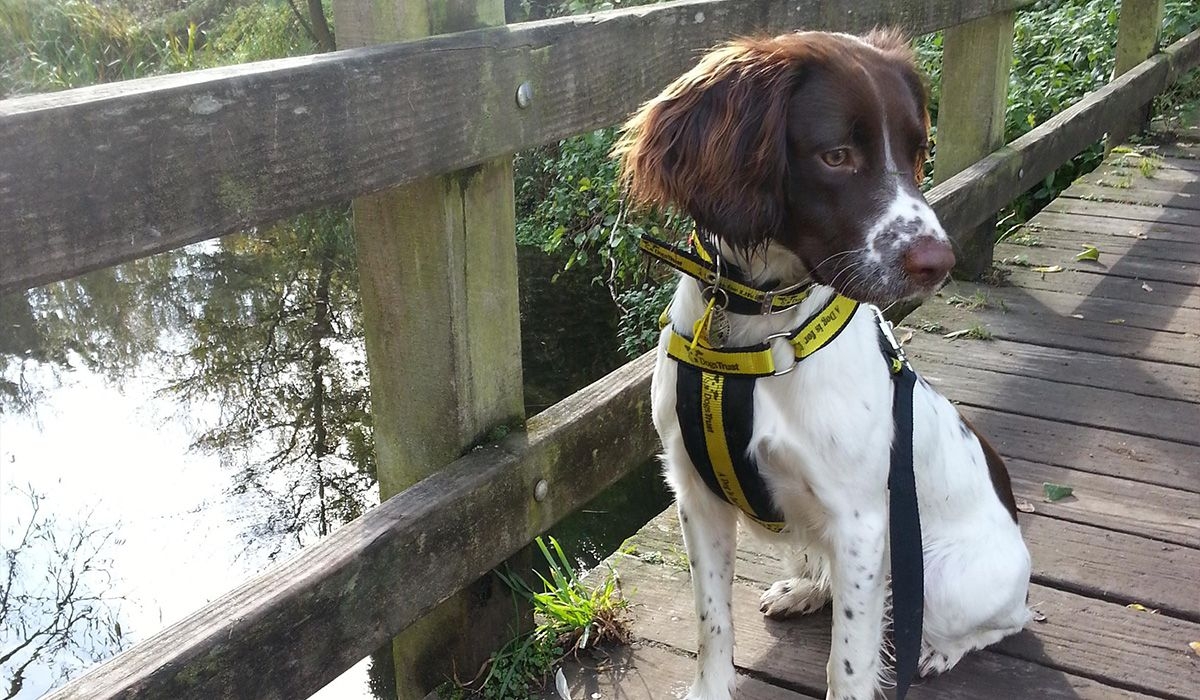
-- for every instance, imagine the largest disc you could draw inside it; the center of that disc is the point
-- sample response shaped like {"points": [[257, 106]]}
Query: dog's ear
{"points": [[714, 143]]}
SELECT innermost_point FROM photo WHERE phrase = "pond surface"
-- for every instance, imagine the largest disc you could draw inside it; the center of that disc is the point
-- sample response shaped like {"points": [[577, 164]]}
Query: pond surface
{"points": [[172, 426]]}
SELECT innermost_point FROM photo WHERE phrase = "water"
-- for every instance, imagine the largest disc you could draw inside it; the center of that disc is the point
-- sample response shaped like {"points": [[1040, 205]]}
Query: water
{"points": [[160, 424]]}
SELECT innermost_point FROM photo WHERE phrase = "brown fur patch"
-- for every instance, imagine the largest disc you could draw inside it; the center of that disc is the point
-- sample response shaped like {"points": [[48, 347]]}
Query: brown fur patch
{"points": [[1001, 483]]}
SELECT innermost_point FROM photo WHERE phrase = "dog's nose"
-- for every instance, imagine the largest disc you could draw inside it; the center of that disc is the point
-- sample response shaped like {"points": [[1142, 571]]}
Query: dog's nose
{"points": [[928, 260]]}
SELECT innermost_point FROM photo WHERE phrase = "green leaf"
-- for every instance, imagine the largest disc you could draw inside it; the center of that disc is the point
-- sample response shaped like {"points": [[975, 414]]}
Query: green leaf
{"points": [[1056, 492], [1089, 252]]}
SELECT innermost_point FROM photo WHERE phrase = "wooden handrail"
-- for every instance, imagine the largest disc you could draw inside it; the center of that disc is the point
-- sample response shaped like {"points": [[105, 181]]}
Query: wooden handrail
{"points": [[104, 174]]}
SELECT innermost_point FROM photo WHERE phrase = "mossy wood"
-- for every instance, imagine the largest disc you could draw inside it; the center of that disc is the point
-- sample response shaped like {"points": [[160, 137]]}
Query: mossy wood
{"points": [[1138, 30], [437, 263], [976, 60], [99, 175], [302, 623]]}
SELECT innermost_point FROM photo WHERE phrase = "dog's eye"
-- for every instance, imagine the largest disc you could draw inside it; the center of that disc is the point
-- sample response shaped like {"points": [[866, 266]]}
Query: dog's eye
{"points": [[836, 158]]}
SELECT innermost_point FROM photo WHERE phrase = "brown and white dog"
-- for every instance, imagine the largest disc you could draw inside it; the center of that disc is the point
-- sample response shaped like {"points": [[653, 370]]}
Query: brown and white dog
{"points": [[801, 156]]}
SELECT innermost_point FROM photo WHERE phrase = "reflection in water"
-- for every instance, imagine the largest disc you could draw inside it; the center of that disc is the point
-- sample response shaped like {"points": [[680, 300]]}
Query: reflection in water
{"points": [[214, 401]]}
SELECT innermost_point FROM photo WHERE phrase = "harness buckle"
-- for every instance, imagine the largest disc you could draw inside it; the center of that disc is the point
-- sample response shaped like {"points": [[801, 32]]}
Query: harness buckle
{"points": [[885, 329], [770, 342]]}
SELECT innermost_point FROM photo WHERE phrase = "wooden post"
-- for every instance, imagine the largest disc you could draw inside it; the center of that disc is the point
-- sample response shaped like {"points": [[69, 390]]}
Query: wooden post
{"points": [[438, 266], [976, 58], [1137, 39]]}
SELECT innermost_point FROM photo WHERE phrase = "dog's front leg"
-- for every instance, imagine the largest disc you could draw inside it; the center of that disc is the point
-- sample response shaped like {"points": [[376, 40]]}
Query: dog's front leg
{"points": [[858, 542], [710, 535]]}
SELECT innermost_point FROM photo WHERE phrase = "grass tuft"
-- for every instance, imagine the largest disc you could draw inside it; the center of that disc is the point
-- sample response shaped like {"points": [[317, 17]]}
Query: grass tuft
{"points": [[570, 616]]}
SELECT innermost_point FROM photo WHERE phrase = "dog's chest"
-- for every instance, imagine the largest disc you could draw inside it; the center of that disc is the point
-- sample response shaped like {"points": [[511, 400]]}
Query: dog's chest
{"points": [[833, 413]]}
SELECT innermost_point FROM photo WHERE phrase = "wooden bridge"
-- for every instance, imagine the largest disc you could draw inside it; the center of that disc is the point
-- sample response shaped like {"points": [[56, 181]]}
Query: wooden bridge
{"points": [[1090, 378]]}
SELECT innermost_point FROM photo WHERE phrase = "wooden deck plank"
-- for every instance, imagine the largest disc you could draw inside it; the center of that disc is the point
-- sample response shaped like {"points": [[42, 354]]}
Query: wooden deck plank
{"points": [[1094, 284], [1182, 218], [1082, 405], [1113, 566], [1100, 330], [1167, 515], [1118, 258], [1131, 457], [793, 652], [1088, 192], [1019, 360], [1078, 558], [1084, 222], [649, 672]]}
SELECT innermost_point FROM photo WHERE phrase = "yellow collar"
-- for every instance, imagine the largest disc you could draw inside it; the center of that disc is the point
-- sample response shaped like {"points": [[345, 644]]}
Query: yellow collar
{"points": [[758, 360], [738, 297]]}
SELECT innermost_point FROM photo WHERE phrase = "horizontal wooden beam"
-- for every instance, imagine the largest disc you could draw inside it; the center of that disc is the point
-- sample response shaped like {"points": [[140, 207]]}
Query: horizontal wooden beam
{"points": [[304, 622], [973, 195], [99, 175]]}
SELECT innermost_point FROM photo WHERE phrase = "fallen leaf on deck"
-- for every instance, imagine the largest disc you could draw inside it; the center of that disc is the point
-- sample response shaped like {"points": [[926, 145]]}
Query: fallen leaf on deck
{"points": [[1048, 268], [1056, 492], [1142, 236], [1195, 647], [1090, 252], [1140, 608], [903, 334], [1024, 506], [1038, 616], [1147, 287]]}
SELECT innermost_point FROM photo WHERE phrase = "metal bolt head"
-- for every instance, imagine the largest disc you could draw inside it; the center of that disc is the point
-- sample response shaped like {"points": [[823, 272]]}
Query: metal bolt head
{"points": [[525, 94], [541, 490]]}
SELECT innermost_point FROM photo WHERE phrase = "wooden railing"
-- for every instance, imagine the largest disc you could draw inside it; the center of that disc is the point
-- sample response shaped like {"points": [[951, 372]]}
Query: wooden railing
{"points": [[96, 176]]}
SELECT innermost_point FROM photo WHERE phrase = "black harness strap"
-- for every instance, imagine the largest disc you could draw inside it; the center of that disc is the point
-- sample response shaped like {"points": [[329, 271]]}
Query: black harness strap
{"points": [[904, 521], [716, 417]]}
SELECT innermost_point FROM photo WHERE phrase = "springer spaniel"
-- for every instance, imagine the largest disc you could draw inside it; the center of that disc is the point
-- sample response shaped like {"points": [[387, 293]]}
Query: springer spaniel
{"points": [[799, 158]]}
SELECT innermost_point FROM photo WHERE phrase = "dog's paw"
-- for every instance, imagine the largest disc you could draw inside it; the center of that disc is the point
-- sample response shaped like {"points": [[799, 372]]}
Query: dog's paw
{"points": [[794, 596], [934, 662]]}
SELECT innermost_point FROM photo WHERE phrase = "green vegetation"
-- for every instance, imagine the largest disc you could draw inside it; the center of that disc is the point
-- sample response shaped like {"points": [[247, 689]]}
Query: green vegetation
{"points": [[570, 617]]}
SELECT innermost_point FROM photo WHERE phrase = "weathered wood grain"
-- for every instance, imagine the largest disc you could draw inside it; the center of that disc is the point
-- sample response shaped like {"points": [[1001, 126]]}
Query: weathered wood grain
{"points": [[1181, 219], [1135, 650], [1020, 360], [1119, 257], [1135, 458], [793, 652], [976, 193], [1072, 403], [98, 175], [976, 60], [1150, 230], [1082, 559], [341, 598], [1078, 280], [647, 672], [1156, 512], [437, 268], [1138, 30], [1126, 178], [1045, 318], [1119, 195], [1113, 566]]}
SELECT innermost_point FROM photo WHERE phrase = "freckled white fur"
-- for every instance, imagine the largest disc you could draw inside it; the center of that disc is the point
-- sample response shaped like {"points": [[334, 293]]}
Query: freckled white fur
{"points": [[822, 438]]}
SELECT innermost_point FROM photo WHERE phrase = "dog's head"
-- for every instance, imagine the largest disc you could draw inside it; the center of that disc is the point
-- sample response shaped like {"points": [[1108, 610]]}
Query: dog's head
{"points": [[811, 142]]}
